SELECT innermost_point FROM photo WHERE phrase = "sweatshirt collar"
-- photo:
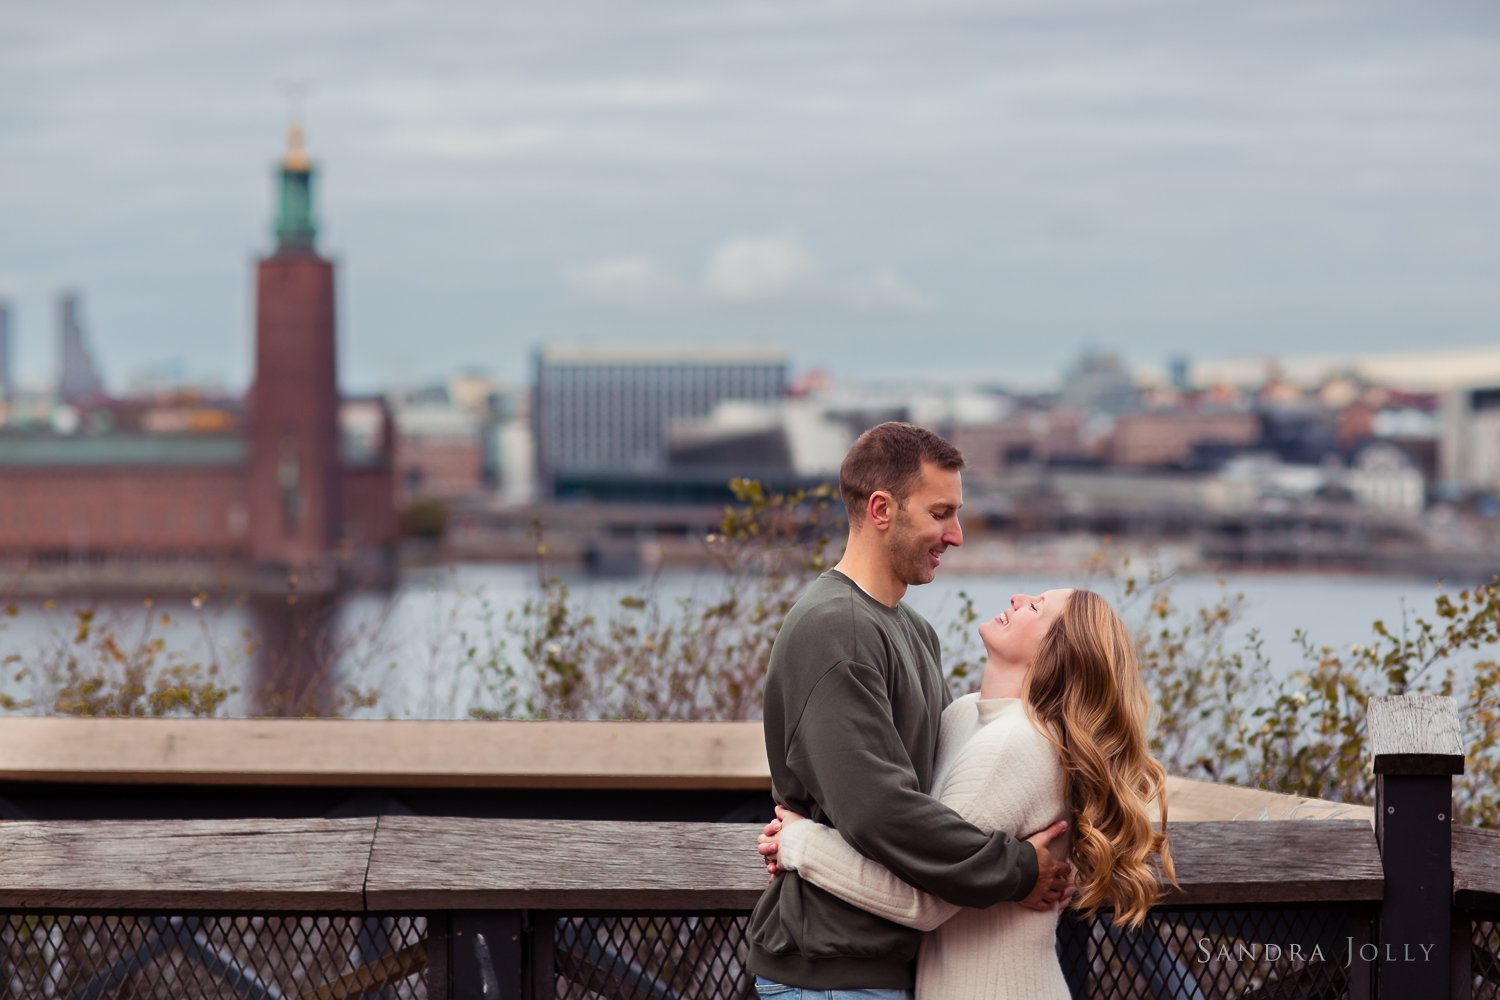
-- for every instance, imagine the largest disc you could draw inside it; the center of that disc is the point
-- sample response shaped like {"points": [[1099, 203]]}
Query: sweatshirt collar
{"points": [[862, 592]]}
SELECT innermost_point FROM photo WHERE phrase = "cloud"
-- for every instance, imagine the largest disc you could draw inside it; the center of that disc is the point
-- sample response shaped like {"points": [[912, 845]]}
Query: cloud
{"points": [[634, 280], [887, 292], [759, 269], [747, 272]]}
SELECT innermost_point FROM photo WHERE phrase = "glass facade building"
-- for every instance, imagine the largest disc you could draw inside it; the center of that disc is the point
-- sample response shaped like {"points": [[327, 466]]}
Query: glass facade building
{"points": [[603, 412]]}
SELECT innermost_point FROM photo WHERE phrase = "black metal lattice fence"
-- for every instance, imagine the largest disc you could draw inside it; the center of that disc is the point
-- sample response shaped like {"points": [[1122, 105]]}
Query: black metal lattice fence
{"points": [[652, 957], [1202, 953], [112, 957], [1260, 952], [1484, 956], [1178, 954]]}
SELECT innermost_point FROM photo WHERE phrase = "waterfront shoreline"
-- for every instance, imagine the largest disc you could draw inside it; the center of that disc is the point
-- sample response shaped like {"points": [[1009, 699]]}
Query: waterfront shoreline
{"points": [[1061, 556]]}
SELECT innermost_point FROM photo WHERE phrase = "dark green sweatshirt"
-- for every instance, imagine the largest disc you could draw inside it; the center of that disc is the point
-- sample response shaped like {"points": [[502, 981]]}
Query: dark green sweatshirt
{"points": [[854, 695]]}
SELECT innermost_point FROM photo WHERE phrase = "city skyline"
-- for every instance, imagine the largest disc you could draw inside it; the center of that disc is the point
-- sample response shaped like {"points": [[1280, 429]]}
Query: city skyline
{"points": [[888, 189]]}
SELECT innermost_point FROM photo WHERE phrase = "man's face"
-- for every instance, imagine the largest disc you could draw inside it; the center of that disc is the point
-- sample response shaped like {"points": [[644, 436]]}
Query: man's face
{"points": [[927, 526]]}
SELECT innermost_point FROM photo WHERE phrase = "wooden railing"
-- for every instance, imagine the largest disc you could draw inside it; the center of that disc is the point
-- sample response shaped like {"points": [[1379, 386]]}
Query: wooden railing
{"points": [[419, 864]]}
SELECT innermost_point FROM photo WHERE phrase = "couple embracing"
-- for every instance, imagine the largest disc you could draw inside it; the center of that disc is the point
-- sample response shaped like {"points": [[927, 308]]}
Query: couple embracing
{"points": [[897, 855]]}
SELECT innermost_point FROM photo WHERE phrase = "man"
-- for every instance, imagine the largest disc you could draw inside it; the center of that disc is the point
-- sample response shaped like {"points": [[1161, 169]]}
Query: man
{"points": [[854, 695]]}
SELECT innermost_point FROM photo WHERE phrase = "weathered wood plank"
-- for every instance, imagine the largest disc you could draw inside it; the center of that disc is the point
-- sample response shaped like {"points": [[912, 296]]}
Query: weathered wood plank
{"points": [[232, 865], [461, 863], [427, 863], [1476, 867], [1287, 861], [1415, 734], [380, 753], [1192, 801]]}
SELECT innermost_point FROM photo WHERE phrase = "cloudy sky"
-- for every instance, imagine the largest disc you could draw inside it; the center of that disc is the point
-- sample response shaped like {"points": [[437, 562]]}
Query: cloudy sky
{"points": [[945, 188]]}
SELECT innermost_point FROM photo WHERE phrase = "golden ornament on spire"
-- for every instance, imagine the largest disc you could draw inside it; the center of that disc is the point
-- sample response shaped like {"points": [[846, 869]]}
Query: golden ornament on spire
{"points": [[296, 154]]}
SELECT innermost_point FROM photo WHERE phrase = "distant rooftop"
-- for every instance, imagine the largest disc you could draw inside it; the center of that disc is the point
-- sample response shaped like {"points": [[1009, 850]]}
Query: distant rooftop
{"points": [[41, 450], [1435, 369], [436, 421], [359, 447], [662, 354]]}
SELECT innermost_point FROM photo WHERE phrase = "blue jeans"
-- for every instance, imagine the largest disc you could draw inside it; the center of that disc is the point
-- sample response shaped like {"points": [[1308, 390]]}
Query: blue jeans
{"points": [[775, 991]]}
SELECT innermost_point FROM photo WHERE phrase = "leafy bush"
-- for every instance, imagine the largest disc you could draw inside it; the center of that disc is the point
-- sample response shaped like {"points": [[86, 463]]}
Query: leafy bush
{"points": [[151, 663], [101, 667], [694, 658], [1224, 716]]}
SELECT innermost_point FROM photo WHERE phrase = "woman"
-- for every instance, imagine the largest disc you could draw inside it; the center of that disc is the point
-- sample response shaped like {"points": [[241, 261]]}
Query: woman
{"points": [[1057, 730]]}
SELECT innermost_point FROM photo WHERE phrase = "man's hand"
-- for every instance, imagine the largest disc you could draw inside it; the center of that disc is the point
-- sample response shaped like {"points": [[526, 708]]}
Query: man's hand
{"points": [[769, 845], [769, 840], [1053, 878]]}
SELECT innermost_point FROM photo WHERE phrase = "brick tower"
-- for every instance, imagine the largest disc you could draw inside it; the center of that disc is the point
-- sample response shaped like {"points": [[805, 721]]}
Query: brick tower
{"points": [[295, 506]]}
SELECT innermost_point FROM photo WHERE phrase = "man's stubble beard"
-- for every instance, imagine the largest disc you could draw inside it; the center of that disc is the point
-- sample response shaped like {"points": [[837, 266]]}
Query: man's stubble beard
{"points": [[909, 553]]}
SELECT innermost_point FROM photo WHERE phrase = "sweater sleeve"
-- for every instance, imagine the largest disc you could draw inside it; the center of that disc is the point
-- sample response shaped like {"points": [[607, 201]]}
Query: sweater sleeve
{"points": [[1012, 776], [826, 860], [846, 751]]}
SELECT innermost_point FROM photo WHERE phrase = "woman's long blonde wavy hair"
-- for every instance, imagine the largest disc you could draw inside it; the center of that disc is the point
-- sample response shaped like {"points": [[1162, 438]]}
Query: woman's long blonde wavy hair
{"points": [[1084, 692]]}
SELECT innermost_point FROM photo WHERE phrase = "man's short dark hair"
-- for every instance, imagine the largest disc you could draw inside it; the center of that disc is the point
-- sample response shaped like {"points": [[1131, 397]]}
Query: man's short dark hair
{"points": [[889, 457]]}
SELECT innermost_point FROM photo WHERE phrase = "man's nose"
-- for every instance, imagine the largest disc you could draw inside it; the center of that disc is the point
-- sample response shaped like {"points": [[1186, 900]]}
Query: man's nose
{"points": [[954, 535]]}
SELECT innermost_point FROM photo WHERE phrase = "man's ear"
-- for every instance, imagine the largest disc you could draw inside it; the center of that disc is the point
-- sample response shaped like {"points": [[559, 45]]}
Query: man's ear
{"points": [[880, 510]]}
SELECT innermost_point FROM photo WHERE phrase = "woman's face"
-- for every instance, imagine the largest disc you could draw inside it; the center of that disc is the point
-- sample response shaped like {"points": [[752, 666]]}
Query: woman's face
{"points": [[1015, 634]]}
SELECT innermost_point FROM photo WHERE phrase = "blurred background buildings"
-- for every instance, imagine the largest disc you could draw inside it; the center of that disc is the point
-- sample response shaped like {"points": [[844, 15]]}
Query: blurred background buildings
{"points": [[295, 480], [1209, 285]]}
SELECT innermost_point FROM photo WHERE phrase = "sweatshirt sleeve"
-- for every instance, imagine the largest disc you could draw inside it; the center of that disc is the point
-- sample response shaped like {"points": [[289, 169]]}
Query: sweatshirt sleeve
{"points": [[1013, 778], [826, 860], [846, 752]]}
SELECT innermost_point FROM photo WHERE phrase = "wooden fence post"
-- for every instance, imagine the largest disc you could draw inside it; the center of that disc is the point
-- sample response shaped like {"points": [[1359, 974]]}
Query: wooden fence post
{"points": [[1417, 749]]}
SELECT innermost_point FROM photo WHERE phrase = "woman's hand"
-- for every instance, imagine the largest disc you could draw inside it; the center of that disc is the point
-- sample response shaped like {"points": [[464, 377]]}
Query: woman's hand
{"points": [[769, 842]]}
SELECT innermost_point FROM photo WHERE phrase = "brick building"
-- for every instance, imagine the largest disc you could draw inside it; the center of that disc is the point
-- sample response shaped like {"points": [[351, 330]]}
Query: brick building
{"points": [[1145, 440], [304, 486], [440, 452]]}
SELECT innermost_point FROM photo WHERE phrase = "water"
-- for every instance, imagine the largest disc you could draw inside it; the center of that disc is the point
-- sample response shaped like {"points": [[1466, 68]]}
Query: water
{"points": [[375, 655]]}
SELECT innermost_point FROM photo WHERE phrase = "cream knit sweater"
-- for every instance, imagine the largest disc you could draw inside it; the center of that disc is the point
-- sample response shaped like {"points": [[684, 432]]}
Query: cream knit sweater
{"points": [[999, 773]]}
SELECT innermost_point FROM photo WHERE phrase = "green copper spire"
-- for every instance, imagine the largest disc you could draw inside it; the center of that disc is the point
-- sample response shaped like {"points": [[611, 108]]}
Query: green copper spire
{"points": [[295, 229]]}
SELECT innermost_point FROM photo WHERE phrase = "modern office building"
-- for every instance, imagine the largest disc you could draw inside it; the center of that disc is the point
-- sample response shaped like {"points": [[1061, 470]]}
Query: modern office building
{"points": [[601, 415], [785, 445]]}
